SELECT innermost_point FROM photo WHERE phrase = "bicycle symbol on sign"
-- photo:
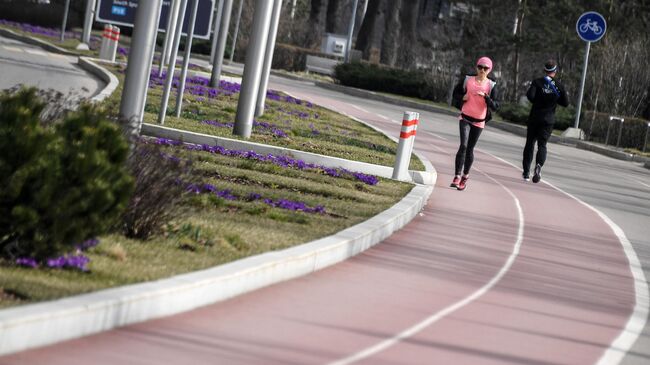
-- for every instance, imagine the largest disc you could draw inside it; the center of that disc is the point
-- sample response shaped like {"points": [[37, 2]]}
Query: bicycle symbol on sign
{"points": [[591, 25]]}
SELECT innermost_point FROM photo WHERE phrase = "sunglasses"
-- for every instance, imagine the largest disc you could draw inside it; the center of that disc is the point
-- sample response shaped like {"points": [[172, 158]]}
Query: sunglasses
{"points": [[484, 68]]}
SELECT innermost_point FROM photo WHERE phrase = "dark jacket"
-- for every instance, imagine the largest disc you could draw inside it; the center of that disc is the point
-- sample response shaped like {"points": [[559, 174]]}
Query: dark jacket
{"points": [[545, 93], [492, 100]]}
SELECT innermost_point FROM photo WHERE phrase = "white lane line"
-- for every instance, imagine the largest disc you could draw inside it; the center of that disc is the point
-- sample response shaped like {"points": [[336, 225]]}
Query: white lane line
{"points": [[641, 182], [636, 323], [453, 307], [35, 52], [395, 121], [13, 49], [436, 135], [358, 108], [382, 116]]}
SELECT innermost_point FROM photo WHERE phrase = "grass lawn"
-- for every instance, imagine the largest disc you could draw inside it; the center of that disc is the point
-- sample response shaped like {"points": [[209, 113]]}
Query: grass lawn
{"points": [[241, 214]]}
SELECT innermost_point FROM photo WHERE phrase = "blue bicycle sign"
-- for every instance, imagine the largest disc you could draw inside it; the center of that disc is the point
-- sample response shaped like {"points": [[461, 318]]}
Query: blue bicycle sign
{"points": [[591, 26]]}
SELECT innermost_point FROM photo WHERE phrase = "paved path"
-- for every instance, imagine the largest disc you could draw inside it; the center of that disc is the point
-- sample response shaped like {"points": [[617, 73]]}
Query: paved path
{"points": [[21, 63], [506, 272]]}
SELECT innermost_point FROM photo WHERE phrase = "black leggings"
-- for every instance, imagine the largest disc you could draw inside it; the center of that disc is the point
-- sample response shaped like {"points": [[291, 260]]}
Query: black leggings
{"points": [[537, 132], [468, 137]]}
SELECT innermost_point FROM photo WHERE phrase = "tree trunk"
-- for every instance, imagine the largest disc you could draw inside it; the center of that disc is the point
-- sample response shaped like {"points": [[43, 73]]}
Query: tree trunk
{"points": [[317, 19], [371, 33]]}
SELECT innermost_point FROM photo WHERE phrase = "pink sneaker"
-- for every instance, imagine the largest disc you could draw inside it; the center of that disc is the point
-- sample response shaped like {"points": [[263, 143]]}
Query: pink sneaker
{"points": [[454, 183], [463, 183]]}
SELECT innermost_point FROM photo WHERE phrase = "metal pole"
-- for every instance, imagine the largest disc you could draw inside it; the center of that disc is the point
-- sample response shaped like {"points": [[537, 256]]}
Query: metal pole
{"points": [[146, 89], [234, 37], [65, 19], [582, 86], [172, 62], [217, 61], [268, 58], [186, 59], [88, 21], [645, 141], [168, 36], [253, 68], [217, 26], [348, 45], [135, 81], [620, 131], [175, 9], [609, 125]]}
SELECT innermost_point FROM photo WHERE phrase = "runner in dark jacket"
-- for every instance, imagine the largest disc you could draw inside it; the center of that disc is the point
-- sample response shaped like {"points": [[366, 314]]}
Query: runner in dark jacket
{"points": [[545, 93]]}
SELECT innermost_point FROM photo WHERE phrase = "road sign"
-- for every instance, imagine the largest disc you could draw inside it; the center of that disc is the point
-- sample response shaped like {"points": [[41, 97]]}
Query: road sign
{"points": [[591, 26], [122, 12]]}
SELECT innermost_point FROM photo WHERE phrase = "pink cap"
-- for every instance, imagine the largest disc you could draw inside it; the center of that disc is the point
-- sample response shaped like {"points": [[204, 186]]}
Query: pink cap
{"points": [[484, 61]]}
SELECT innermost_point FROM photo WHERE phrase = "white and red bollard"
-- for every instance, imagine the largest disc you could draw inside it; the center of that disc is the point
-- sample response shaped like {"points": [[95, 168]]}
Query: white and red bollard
{"points": [[110, 39], [405, 146]]}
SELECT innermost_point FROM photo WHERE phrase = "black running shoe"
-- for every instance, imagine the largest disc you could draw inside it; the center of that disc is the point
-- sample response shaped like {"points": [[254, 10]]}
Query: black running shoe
{"points": [[538, 173], [526, 176]]}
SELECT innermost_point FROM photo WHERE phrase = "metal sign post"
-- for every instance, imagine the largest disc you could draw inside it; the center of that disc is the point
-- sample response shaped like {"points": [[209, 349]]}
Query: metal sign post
{"points": [[253, 68], [65, 19], [217, 61], [268, 58], [186, 59], [234, 36], [88, 25], [348, 45], [591, 27], [172, 65], [139, 66]]}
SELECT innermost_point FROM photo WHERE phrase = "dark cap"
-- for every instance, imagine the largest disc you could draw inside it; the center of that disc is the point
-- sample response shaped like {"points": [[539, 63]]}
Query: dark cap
{"points": [[550, 66]]}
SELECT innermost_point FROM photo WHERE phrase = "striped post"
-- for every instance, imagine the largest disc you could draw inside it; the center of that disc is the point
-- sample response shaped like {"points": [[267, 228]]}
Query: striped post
{"points": [[105, 36], [113, 41], [405, 146]]}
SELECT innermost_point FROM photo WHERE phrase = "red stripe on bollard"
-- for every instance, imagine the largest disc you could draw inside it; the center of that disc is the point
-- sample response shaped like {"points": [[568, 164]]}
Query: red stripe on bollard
{"points": [[408, 123], [405, 135]]}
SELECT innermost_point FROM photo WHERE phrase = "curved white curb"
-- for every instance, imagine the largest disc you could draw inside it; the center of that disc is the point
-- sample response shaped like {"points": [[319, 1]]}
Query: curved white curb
{"points": [[103, 74]]}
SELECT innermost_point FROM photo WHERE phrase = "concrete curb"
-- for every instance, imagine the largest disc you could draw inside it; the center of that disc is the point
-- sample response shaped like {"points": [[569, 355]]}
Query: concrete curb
{"points": [[42, 324], [620, 155], [103, 74], [36, 42]]}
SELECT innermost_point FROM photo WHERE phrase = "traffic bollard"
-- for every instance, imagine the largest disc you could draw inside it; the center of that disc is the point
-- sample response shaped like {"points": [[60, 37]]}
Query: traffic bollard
{"points": [[405, 146], [105, 36], [113, 42]]}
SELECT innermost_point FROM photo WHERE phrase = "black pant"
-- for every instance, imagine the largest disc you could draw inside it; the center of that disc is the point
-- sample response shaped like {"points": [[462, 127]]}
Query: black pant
{"points": [[468, 137], [537, 132]]}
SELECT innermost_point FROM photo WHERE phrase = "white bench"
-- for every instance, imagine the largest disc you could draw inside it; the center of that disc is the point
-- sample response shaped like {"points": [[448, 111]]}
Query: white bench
{"points": [[321, 65]]}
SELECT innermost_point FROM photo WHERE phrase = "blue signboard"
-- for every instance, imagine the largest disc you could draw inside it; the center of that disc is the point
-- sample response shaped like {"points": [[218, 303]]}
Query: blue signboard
{"points": [[591, 26], [122, 12]]}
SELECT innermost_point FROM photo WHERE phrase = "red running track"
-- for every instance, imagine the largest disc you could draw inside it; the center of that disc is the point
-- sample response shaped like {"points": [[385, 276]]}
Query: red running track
{"points": [[452, 282]]}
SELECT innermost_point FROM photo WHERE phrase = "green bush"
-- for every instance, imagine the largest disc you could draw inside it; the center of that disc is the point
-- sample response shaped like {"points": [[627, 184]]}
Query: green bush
{"points": [[417, 84], [61, 184]]}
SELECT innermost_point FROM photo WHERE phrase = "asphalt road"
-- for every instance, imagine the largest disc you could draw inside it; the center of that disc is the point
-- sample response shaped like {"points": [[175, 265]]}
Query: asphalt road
{"points": [[505, 272], [21, 63]]}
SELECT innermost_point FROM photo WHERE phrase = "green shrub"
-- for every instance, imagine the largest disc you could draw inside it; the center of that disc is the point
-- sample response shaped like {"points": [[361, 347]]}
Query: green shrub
{"points": [[515, 113], [375, 78], [62, 184]]}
